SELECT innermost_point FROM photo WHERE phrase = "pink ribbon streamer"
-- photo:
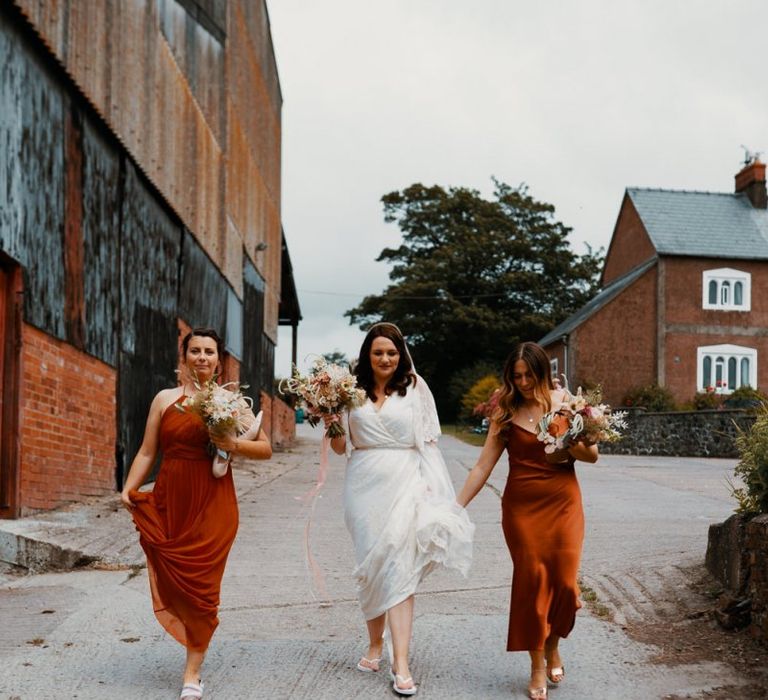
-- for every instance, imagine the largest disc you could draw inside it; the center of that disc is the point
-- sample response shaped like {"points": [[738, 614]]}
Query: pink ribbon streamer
{"points": [[309, 499]]}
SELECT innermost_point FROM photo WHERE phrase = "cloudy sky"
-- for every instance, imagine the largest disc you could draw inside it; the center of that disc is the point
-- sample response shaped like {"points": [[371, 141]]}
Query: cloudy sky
{"points": [[577, 99]]}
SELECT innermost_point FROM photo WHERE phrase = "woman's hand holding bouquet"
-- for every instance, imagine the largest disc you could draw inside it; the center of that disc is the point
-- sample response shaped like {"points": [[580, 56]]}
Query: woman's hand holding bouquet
{"points": [[327, 391], [227, 414], [580, 418]]}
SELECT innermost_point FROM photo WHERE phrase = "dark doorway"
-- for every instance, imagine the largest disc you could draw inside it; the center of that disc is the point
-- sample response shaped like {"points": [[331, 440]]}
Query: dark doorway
{"points": [[10, 343]]}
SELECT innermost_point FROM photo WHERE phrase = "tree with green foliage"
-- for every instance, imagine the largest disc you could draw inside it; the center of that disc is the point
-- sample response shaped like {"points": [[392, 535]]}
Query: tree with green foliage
{"points": [[473, 276], [336, 357]]}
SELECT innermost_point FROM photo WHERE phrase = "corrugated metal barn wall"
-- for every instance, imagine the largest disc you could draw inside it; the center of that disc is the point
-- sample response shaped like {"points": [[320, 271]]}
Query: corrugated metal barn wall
{"points": [[107, 266]]}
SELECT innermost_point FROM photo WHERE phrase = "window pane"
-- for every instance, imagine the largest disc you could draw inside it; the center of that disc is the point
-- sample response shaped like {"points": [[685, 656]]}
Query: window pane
{"points": [[731, 373], [707, 379], [744, 371], [738, 291], [725, 293], [713, 292], [719, 372]]}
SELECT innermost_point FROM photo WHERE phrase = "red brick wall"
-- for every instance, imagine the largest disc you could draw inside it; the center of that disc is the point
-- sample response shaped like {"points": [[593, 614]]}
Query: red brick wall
{"points": [[684, 293], [616, 347], [67, 424], [279, 421], [630, 244], [689, 326]]}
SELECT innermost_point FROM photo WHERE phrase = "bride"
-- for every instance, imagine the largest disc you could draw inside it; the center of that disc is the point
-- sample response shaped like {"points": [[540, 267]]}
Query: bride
{"points": [[399, 502]]}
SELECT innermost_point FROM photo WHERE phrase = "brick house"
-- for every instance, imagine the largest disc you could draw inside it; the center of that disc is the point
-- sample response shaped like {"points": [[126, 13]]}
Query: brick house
{"points": [[140, 169], [684, 300]]}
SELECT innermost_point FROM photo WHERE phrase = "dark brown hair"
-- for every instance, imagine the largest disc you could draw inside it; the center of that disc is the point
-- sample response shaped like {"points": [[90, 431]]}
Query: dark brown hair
{"points": [[509, 399], [203, 333], [403, 376]]}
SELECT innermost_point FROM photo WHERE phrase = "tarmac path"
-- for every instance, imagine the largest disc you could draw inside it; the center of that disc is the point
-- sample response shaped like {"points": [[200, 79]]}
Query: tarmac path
{"points": [[90, 633]]}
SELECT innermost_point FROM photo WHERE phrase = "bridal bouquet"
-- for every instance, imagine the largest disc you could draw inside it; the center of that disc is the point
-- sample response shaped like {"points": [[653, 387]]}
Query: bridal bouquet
{"points": [[225, 411], [327, 390], [581, 417]]}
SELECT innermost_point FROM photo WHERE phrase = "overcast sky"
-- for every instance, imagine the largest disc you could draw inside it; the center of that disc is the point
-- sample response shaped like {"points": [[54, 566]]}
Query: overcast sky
{"points": [[579, 99]]}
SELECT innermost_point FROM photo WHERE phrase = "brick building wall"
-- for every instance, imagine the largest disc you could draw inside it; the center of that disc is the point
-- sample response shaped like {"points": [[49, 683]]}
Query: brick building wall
{"points": [[688, 326], [67, 424], [616, 347], [630, 244], [279, 421]]}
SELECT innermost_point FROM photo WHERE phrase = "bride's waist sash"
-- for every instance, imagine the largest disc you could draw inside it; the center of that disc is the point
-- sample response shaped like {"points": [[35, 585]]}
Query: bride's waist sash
{"points": [[385, 447]]}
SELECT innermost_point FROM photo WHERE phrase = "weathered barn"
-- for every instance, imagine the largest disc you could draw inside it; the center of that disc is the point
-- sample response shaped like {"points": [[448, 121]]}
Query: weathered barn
{"points": [[139, 195]]}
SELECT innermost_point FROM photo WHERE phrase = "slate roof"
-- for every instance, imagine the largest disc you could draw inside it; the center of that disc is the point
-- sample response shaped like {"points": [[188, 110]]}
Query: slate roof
{"points": [[598, 302], [702, 224]]}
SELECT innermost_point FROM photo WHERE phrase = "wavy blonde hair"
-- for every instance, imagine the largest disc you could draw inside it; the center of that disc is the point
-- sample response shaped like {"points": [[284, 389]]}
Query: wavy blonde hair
{"points": [[509, 398]]}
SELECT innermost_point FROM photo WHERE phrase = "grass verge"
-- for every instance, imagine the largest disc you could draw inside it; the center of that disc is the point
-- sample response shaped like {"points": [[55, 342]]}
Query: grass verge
{"points": [[462, 432]]}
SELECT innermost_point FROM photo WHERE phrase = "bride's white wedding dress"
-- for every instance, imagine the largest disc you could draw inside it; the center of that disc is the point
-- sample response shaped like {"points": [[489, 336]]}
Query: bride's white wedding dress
{"points": [[399, 503]]}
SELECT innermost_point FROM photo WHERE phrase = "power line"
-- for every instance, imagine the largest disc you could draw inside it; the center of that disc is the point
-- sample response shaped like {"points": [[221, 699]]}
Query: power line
{"points": [[442, 297]]}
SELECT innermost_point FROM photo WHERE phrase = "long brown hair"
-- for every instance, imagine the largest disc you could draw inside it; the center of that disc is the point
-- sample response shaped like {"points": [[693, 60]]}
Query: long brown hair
{"points": [[403, 376], [509, 398]]}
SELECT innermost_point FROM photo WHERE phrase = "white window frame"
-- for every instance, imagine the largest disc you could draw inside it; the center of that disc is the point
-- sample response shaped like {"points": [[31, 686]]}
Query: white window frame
{"points": [[725, 279], [722, 354]]}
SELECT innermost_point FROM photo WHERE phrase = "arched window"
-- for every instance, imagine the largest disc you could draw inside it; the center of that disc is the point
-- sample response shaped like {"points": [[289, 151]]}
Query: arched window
{"points": [[719, 372], [744, 371], [725, 368], [726, 289], [732, 373], [725, 293], [713, 292]]}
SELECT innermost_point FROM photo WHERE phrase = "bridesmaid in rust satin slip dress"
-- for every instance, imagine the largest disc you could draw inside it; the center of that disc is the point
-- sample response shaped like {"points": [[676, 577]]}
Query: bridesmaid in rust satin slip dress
{"points": [[542, 515], [188, 523]]}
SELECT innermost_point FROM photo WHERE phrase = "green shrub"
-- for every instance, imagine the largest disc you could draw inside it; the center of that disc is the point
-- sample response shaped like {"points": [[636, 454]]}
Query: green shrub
{"points": [[706, 400], [745, 397], [651, 397], [752, 467], [461, 382], [474, 402]]}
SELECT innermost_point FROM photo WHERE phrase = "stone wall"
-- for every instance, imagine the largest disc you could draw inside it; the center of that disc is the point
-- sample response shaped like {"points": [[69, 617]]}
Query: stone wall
{"points": [[756, 545], [681, 433], [737, 556]]}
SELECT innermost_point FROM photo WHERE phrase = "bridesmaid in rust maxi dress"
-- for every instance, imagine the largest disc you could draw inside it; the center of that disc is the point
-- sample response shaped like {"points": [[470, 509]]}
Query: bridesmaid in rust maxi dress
{"points": [[542, 515], [188, 523]]}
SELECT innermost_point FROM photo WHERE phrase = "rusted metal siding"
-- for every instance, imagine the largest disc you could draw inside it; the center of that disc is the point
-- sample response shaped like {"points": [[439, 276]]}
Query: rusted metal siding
{"points": [[191, 89], [31, 178], [119, 58], [74, 301], [102, 202], [196, 38], [253, 166], [116, 198], [203, 290], [150, 247], [251, 371]]}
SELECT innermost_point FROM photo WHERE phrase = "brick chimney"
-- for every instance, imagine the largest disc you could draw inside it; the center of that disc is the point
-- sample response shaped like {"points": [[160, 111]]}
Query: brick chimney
{"points": [[751, 181]]}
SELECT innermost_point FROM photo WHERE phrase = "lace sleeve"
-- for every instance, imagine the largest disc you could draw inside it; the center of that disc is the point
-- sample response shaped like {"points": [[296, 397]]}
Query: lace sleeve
{"points": [[428, 421]]}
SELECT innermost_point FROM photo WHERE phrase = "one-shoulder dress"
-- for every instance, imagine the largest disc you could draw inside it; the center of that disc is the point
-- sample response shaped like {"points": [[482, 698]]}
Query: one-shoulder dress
{"points": [[543, 523], [187, 525]]}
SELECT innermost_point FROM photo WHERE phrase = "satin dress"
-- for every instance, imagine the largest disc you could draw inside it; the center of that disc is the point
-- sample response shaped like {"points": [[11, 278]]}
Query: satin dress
{"points": [[187, 525], [399, 504], [543, 523]]}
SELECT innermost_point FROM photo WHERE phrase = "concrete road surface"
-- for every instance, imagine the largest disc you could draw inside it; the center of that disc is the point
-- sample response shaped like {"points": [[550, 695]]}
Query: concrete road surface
{"points": [[90, 633]]}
